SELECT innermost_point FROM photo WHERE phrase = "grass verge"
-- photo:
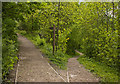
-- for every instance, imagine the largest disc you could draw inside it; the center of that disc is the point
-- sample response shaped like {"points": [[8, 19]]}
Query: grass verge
{"points": [[106, 73]]}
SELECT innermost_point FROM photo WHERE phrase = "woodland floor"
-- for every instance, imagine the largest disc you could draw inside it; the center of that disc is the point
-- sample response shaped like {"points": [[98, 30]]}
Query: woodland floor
{"points": [[33, 67]]}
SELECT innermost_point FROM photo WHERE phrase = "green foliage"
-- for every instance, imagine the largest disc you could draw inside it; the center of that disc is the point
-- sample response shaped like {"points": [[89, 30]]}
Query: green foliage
{"points": [[9, 47], [41, 42], [9, 56], [9, 38], [95, 34], [59, 58], [43, 18], [74, 40], [106, 73], [8, 29]]}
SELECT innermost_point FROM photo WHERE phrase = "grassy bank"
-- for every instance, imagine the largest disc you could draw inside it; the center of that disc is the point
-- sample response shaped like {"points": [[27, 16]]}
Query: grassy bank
{"points": [[106, 73]]}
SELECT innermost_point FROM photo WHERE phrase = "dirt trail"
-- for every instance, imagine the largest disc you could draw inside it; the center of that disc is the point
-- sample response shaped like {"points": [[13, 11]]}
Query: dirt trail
{"points": [[77, 73], [33, 67]]}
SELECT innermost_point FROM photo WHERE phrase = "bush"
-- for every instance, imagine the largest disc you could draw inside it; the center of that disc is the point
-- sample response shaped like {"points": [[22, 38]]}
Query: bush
{"points": [[9, 56], [41, 42], [9, 47]]}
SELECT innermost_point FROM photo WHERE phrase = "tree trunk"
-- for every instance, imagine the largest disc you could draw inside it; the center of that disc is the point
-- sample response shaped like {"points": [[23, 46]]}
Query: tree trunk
{"points": [[58, 26], [53, 39]]}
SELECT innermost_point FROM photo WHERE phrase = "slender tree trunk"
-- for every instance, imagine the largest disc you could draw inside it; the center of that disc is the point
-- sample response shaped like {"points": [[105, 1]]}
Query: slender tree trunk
{"points": [[119, 39], [107, 15], [102, 14], [32, 22], [53, 39], [113, 17], [98, 16], [58, 25]]}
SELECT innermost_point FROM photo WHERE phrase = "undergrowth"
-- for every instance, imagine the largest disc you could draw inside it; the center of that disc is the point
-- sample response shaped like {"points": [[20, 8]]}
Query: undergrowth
{"points": [[106, 73], [9, 47]]}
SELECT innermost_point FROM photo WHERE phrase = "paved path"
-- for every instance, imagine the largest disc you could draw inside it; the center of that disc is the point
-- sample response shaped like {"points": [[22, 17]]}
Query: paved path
{"points": [[32, 66]]}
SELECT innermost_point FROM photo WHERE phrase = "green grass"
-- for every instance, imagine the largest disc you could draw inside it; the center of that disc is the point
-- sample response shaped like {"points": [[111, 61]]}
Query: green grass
{"points": [[59, 58], [106, 73]]}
